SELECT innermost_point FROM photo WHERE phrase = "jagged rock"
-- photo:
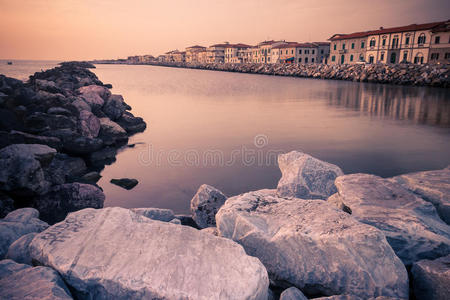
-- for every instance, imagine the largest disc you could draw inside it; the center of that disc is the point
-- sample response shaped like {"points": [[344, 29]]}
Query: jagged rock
{"points": [[16, 224], [48, 86], [81, 105], [65, 198], [205, 204], [411, 225], [18, 137], [88, 124], [21, 168], [306, 177], [159, 214], [8, 267], [64, 168], [83, 145], [131, 123], [313, 246], [111, 132], [100, 253], [292, 293], [19, 251], [432, 186], [39, 122], [103, 157], [114, 107], [59, 111], [26, 282], [94, 95], [431, 278], [126, 183]]}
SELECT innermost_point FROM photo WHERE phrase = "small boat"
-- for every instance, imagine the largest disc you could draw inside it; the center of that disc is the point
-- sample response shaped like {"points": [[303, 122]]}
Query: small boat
{"points": [[9, 62]]}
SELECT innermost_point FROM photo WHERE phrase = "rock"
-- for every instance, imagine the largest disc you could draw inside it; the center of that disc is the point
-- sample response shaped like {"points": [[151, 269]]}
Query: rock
{"points": [[6, 205], [101, 253], [19, 251], [175, 221], [205, 204], [111, 132], [292, 293], [431, 278], [313, 246], [432, 186], [18, 137], [131, 123], [59, 111], [114, 107], [39, 122], [77, 64], [126, 183], [69, 197], [21, 168], [187, 221], [65, 168], [306, 177], [34, 283], [94, 95], [8, 267], [91, 177], [83, 145], [411, 225], [103, 157], [88, 124], [48, 86], [211, 230], [9, 120], [159, 214], [81, 105], [16, 224]]}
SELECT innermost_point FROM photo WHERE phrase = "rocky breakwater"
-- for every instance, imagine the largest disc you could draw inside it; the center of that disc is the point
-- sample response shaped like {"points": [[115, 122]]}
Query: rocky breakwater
{"points": [[57, 131], [401, 74]]}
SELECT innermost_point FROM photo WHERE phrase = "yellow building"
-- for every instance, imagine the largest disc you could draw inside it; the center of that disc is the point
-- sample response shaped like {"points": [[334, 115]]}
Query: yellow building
{"points": [[236, 53], [216, 53], [192, 53]]}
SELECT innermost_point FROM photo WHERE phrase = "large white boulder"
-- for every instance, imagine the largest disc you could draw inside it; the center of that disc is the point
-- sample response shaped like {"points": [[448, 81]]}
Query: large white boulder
{"points": [[411, 225], [115, 253], [306, 177], [313, 246], [205, 204], [432, 186], [24, 282]]}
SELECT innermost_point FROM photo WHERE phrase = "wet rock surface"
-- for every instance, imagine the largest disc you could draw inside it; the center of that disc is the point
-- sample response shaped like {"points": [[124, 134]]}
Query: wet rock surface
{"points": [[313, 246], [411, 225], [66, 113], [115, 253]]}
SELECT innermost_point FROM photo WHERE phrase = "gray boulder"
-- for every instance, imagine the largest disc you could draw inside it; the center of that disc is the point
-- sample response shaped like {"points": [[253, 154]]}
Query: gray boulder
{"points": [[88, 124], [16, 224], [94, 95], [292, 293], [62, 199], [83, 145], [306, 177], [313, 246], [431, 278], [111, 132], [131, 123], [205, 204], [114, 107], [33, 283], [432, 186], [8, 267], [64, 168], [115, 253], [21, 168], [19, 251], [411, 225], [81, 105], [158, 214], [18, 137]]}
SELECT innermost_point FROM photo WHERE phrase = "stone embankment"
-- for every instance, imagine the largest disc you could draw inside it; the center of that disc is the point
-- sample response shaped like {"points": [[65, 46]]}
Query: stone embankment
{"points": [[57, 131], [400, 74], [320, 234]]}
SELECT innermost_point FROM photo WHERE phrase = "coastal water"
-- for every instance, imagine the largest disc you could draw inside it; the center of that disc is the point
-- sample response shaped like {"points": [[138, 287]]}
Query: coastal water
{"points": [[225, 129]]}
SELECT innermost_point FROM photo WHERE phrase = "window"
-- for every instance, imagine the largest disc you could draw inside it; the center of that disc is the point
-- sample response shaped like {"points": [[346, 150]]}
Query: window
{"points": [[334, 47], [437, 40], [419, 58], [393, 58], [353, 45], [395, 42], [384, 42], [434, 56], [343, 46], [321, 51], [300, 60], [405, 56], [372, 42], [306, 60], [382, 57], [362, 45], [300, 51], [292, 51], [268, 59], [351, 57], [313, 51], [421, 40], [371, 59], [333, 58], [407, 40], [447, 55], [312, 60], [361, 57]]}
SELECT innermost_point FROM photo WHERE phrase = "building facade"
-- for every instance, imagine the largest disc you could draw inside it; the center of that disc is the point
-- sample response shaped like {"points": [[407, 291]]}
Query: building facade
{"points": [[236, 53], [194, 52], [440, 44], [216, 53], [323, 52]]}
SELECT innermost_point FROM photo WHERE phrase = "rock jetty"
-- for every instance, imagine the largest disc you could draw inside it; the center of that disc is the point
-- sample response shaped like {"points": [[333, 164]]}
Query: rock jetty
{"points": [[399, 74], [57, 131], [388, 243]]}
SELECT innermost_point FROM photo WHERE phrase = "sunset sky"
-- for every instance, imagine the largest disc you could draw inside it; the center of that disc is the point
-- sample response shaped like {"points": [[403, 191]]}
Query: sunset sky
{"points": [[82, 29]]}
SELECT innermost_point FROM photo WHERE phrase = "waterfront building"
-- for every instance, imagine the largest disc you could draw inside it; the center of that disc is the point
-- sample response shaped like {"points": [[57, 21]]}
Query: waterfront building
{"points": [[306, 53], [263, 53], [236, 53], [216, 53], [192, 53], [440, 44], [323, 52], [403, 44], [284, 53]]}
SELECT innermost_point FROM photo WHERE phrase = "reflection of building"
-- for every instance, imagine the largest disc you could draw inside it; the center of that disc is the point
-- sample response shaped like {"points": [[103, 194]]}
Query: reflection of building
{"points": [[409, 43], [192, 54], [388, 102]]}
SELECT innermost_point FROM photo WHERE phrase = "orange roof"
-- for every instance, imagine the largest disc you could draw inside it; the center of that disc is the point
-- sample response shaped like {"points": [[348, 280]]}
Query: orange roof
{"points": [[412, 27]]}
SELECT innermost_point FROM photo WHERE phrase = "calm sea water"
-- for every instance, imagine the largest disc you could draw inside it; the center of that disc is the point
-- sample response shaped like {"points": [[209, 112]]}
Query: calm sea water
{"points": [[225, 129]]}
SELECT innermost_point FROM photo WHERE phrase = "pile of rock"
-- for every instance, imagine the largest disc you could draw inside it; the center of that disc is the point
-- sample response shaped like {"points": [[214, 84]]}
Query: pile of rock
{"points": [[57, 131], [402, 74]]}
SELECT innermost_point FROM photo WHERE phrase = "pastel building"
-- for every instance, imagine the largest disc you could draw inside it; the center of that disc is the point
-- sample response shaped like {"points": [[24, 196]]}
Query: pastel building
{"points": [[440, 44], [216, 53], [192, 53], [236, 53]]}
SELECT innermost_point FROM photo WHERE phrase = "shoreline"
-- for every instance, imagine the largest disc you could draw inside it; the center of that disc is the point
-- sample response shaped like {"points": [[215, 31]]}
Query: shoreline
{"points": [[401, 74]]}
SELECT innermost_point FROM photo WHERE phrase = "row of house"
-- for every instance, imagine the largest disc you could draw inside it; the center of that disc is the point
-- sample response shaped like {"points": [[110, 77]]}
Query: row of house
{"points": [[415, 43], [264, 52]]}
